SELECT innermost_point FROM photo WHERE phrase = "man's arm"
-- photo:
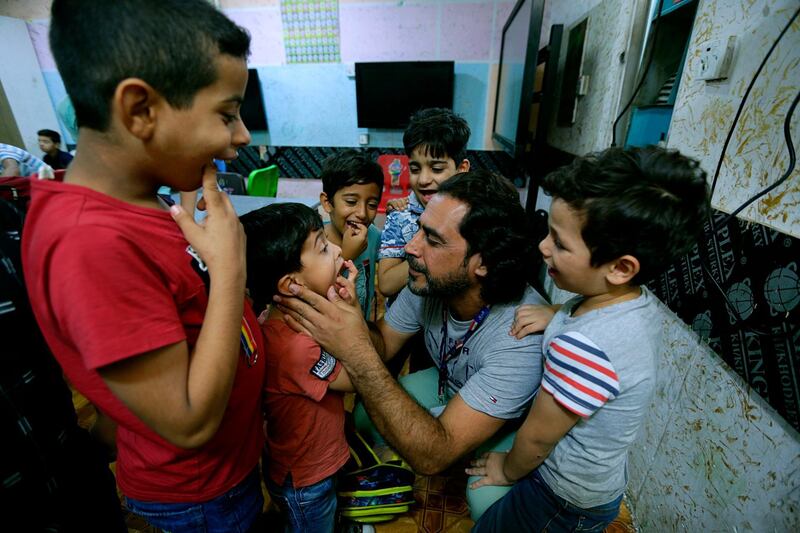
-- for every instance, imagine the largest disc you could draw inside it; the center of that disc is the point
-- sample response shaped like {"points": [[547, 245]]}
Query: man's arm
{"points": [[183, 396], [10, 168], [429, 444], [392, 275]]}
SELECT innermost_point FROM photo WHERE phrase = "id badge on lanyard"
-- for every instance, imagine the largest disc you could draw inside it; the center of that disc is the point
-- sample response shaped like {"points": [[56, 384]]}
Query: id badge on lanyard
{"points": [[448, 355]]}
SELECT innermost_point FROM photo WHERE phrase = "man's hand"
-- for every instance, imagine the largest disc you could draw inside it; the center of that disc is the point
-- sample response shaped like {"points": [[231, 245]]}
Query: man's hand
{"points": [[529, 319], [354, 240], [490, 467], [220, 239], [335, 324], [397, 204]]}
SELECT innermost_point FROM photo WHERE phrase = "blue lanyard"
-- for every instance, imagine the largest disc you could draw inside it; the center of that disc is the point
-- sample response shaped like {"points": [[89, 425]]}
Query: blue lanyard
{"points": [[448, 355]]}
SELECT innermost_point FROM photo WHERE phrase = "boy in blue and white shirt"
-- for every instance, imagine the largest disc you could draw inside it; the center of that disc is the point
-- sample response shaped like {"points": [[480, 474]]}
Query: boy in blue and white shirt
{"points": [[17, 162], [435, 142], [617, 219]]}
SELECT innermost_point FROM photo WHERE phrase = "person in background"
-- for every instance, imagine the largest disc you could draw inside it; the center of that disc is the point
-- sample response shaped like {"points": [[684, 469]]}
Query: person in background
{"points": [[143, 308], [435, 142], [17, 162], [50, 144], [352, 185]]}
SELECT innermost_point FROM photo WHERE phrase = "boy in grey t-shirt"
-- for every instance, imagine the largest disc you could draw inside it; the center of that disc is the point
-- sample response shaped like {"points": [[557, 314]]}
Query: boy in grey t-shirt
{"points": [[617, 218]]}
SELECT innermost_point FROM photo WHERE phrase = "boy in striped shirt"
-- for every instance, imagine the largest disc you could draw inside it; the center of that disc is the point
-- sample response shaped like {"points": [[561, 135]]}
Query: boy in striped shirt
{"points": [[617, 219]]}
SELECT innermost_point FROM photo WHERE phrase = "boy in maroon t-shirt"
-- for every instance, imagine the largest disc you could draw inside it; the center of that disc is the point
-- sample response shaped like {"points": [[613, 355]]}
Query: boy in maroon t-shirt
{"points": [[303, 403], [143, 308]]}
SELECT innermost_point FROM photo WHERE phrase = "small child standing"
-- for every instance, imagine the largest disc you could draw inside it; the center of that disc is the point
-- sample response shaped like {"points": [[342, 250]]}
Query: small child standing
{"points": [[352, 185], [617, 219], [304, 407]]}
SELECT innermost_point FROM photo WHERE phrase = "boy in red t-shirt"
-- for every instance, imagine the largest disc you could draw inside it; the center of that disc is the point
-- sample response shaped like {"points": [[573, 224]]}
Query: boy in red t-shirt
{"points": [[303, 403], [143, 308]]}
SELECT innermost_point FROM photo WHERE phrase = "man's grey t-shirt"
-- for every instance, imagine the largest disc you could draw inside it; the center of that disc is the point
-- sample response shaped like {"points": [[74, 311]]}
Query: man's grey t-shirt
{"points": [[602, 366], [495, 373]]}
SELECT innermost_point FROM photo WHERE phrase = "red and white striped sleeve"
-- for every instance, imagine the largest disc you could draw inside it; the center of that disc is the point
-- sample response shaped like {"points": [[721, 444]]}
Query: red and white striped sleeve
{"points": [[579, 374]]}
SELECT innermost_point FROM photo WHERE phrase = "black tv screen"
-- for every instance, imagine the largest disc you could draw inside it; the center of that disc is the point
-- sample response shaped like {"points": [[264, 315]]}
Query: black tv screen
{"points": [[387, 94], [252, 111]]}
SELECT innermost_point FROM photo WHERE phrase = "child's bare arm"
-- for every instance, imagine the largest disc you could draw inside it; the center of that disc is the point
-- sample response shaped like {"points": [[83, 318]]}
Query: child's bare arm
{"points": [[392, 275], [183, 396], [546, 424], [397, 204], [530, 319], [342, 382]]}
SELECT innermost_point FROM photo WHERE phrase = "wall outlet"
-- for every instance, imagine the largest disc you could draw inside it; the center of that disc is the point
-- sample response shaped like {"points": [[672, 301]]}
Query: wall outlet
{"points": [[716, 57], [363, 139]]}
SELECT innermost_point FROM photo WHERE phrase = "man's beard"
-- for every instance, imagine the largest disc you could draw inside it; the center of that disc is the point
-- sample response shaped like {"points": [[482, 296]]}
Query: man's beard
{"points": [[448, 286]]}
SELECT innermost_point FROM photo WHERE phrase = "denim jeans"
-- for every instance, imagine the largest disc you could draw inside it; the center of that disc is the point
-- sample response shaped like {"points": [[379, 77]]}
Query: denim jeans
{"points": [[309, 509], [235, 511], [532, 506]]}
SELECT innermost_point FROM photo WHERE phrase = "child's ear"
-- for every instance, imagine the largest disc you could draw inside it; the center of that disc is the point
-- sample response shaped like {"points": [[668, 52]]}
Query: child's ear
{"points": [[463, 166], [285, 281], [326, 203], [135, 103], [622, 270]]}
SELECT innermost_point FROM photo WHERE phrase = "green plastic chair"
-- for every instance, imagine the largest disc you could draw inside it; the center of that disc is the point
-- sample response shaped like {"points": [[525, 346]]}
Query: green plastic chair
{"points": [[263, 182]]}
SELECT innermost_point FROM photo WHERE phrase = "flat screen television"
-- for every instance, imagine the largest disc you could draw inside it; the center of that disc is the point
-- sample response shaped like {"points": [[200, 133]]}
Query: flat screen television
{"points": [[515, 81], [252, 110], [387, 94]]}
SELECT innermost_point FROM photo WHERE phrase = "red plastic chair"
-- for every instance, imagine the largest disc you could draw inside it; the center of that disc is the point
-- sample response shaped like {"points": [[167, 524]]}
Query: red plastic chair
{"points": [[395, 178]]}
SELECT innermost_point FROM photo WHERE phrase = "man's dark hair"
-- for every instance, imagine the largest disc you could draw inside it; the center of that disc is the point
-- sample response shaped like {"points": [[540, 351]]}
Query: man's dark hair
{"points": [[170, 44], [275, 237], [496, 227], [349, 167], [440, 131], [650, 203], [52, 135]]}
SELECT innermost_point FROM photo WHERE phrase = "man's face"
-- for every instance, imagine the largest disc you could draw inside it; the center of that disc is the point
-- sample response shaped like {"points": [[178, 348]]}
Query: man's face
{"points": [[437, 262], [47, 145], [426, 172]]}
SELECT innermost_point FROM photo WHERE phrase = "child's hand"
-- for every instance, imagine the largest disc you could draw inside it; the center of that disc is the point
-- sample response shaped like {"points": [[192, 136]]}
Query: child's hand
{"points": [[354, 240], [220, 239], [346, 286], [396, 204], [490, 467], [530, 319]]}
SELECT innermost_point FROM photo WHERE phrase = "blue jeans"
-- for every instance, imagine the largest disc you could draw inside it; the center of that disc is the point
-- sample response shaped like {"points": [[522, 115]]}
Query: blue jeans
{"points": [[309, 509], [531, 506], [234, 511]]}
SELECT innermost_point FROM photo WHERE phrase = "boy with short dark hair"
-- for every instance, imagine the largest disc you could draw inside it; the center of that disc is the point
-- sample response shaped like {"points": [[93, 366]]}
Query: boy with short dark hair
{"points": [[436, 143], [143, 308], [617, 218], [304, 407], [50, 144], [352, 185]]}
